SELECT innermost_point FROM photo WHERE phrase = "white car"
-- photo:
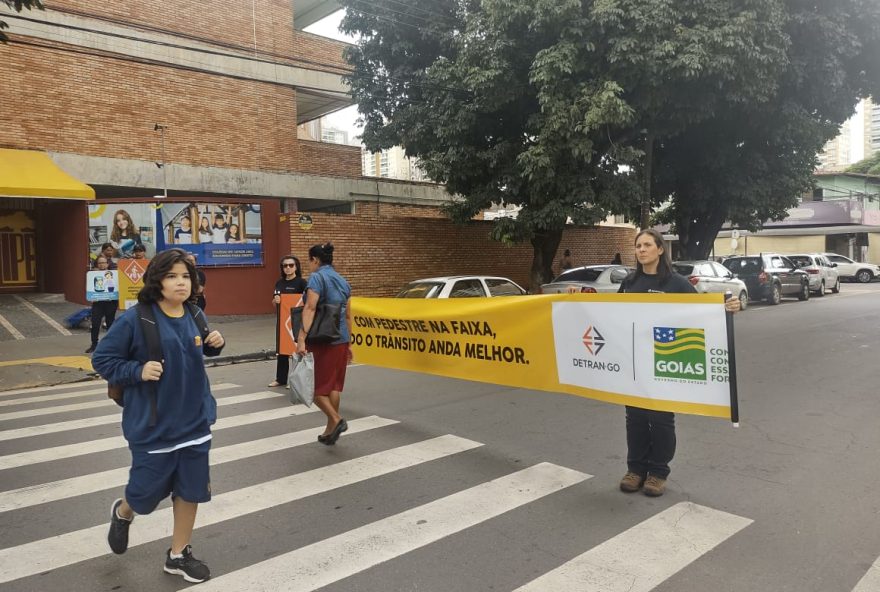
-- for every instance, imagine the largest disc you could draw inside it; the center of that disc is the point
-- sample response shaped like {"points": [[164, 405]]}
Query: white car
{"points": [[589, 279], [823, 273], [853, 270], [711, 277], [461, 286]]}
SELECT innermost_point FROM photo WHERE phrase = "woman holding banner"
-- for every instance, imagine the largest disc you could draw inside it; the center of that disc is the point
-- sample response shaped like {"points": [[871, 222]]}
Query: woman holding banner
{"points": [[291, 282], [650, 435], [331, 359]]}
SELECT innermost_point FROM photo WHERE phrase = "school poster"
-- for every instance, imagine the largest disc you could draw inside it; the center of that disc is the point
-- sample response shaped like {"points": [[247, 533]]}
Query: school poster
{"points": [[124, 226], [665, 352], [102, 285], [217, 234]]}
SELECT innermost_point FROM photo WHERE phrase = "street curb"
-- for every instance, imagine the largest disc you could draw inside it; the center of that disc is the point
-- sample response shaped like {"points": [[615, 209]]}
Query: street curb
{"points": [[259, 356]]}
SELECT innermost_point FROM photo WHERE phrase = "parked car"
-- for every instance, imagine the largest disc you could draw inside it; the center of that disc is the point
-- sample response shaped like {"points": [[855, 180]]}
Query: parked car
{"points": [[711, 277], [588, 279], [823, 273], [853, 270], [461, 286], [770, 276]]}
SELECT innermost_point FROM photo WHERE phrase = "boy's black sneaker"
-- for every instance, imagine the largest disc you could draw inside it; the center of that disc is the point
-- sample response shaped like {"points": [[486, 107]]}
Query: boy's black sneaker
{"points": [[187, 566], [118, 535]]}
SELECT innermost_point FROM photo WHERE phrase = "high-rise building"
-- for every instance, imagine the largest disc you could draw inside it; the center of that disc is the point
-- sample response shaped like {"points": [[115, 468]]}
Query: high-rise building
{"points": [[835, 155], [392, 163], [871, 122]]}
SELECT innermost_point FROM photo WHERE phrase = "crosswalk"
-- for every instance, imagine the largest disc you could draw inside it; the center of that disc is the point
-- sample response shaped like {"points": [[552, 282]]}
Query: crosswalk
{"points": [[259, 431]]}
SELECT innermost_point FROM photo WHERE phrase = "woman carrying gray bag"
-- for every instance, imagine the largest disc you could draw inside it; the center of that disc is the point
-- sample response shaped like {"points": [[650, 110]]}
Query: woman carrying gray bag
{"points": [[327, 287]]}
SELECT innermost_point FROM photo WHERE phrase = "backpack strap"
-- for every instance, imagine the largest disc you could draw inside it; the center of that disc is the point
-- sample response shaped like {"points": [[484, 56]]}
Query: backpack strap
{"points": [[199, 318], [150, 329]]}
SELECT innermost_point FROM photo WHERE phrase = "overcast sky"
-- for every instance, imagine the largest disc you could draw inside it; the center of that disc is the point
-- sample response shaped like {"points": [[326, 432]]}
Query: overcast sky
{"points": [[346, 118]]}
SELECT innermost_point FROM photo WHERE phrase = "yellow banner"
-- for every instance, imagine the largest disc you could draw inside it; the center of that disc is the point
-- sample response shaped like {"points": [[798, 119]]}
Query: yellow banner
{"points": [[667, 352]]}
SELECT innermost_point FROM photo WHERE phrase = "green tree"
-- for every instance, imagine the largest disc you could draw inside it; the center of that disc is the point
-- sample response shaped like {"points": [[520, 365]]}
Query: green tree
{"points": [[749, 164], [548, 103], [18, 5], [867, 166]]}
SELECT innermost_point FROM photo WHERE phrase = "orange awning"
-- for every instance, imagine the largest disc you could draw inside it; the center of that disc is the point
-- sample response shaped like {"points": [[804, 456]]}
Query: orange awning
{"points": [[32, 173]]}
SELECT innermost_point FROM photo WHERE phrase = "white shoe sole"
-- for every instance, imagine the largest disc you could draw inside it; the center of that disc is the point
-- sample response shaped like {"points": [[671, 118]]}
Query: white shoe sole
{"points": [[187, 577]]}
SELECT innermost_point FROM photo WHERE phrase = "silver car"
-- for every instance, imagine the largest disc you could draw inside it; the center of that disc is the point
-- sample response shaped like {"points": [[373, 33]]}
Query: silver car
{"points": [[823, 273], [588, 279], [461, 286], [711, 277]]}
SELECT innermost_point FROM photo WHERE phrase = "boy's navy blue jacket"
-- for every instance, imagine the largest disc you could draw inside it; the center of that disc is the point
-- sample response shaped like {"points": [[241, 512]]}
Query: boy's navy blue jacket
{"points": [[186, 409]]}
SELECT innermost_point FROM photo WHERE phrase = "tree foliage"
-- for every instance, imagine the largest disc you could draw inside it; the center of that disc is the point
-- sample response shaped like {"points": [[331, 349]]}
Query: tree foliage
{"points": [[867, 166], [750, 163], [18, 6], [549, 104]]}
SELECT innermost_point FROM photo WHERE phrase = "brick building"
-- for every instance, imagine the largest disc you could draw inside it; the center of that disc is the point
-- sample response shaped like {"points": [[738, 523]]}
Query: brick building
{"points": [[196, 104]]}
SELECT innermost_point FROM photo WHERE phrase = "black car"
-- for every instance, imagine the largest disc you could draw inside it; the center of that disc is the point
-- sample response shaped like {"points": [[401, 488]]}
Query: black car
{"points": [[770, 276]]}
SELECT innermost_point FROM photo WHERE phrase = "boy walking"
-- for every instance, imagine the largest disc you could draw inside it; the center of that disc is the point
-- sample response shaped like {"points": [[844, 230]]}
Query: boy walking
{"points": [[167, 407]]}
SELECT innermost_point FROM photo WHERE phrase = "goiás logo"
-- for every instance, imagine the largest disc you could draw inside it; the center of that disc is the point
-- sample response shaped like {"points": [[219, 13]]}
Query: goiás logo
{"points": [[594, 342], [680, 353]]}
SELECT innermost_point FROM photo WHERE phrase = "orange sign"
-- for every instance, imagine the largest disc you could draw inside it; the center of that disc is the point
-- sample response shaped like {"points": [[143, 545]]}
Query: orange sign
{"points": [[285, 339], [131, 280]]}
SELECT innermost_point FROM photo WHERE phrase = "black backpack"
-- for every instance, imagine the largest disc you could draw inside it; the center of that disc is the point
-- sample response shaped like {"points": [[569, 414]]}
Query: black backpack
{"points": [[154, 349]]}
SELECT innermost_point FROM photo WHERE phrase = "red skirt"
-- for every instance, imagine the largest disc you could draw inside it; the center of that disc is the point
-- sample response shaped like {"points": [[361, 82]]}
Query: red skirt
{"points": [[330, 364]]}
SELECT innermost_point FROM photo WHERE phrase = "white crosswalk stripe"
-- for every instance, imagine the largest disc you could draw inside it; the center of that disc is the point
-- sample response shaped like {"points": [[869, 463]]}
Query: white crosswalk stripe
{"points": [[645, 555], [89, 543], [71, 386], [871, 580], [101, 402], [338, 557], [32, 457], [83, 484], [635, 560], [84, 393]]}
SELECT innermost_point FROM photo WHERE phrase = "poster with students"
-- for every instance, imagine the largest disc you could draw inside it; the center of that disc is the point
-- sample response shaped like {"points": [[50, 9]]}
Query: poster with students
{"points": [[218, 234], [102, 285], [124, 226]]}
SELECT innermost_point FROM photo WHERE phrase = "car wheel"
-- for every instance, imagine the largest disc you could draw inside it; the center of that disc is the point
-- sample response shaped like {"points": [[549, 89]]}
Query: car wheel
{"points": [[805, 292], [864, 276], [743, 300], [775, 294], [836, 288], [821, 291]]}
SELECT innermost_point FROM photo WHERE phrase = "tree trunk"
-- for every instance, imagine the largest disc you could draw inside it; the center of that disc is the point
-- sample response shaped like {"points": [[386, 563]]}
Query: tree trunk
{"points": [[544, 247], [696, 239]]}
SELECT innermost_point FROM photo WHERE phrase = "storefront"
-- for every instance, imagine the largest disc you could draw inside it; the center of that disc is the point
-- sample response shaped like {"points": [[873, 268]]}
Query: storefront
{"points": [[32, 189]]}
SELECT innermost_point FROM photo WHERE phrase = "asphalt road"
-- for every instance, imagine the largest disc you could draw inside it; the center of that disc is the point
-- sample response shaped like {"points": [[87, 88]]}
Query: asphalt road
{"points": [[461, 486]]}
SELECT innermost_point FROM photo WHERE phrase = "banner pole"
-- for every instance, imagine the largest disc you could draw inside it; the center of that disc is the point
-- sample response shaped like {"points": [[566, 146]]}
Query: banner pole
{"points": [[277, 329], [731, 364]]}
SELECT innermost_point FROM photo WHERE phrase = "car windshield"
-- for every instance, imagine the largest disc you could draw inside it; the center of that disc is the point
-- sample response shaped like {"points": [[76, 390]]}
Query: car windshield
{"points": [[801, 260], [683, 269], [581, 275], [743, 265], [421, 290]]}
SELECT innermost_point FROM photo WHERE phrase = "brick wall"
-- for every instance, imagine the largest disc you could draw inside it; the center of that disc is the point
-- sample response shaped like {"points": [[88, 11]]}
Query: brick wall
{"points": [[379, 252], [222, 21], [320, 49], [334, 160], [110, 107]]}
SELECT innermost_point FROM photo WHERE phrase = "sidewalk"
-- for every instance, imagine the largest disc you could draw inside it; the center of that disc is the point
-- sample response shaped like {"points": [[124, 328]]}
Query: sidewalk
{"points": [[60, 359]]}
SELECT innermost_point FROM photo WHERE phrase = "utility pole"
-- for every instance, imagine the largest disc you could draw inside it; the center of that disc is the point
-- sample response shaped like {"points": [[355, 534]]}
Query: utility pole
{"points": [[161, 129]]}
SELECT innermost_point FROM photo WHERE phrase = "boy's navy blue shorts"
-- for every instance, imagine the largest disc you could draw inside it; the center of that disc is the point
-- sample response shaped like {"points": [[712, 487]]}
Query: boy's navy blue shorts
{"points": [[182, 473]]}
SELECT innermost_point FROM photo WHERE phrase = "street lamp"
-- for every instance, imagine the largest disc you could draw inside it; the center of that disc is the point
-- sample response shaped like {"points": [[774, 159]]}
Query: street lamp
{"points": [[161, 129]]}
